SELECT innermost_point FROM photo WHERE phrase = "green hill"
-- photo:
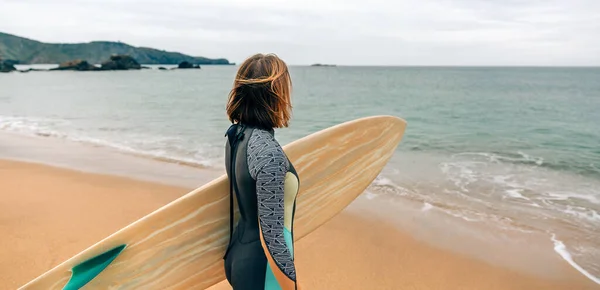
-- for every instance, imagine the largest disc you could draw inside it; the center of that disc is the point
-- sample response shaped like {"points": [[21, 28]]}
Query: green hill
{"points": [[28, 51]]}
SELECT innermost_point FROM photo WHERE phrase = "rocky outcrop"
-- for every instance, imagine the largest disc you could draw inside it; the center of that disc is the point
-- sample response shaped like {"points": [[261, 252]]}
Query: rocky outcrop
{"points": [[32, 69], [116, 62], [187, 65], [120, 62], [78, 65], [6, 66], [12, 61]]}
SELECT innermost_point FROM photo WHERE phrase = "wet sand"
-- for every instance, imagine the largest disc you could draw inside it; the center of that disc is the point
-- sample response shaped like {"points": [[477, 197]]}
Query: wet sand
{"points": [[48, 214]]}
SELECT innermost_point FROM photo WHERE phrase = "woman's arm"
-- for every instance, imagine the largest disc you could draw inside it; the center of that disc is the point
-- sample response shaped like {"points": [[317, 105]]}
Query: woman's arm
{"points": [[268, 166]]}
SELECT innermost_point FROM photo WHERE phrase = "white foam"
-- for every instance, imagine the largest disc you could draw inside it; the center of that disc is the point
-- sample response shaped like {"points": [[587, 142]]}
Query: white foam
{"points": [[458, 215], [426, 206], [369, 195], [583, 213], [461, 173], [561, 249], [489, 156], [464, 196], [33, 126], [515, 193], [508, 181], [496, 158], [537, 160], [57, 128], [384, 185], [568, 195], [150, 153], [383, 181]]}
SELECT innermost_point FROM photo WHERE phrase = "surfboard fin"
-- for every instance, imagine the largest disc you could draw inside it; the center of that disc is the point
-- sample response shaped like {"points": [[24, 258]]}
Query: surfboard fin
{"points": [[88, 270]]}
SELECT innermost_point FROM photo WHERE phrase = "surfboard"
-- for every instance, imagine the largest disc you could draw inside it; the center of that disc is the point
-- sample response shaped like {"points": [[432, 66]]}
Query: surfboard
{"points": [[181, 245]]}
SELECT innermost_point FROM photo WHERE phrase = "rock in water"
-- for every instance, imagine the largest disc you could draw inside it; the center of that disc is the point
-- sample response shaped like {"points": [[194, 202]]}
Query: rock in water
{"points": [[6, 66], [11, 61], [78, 65], [120, 62], [33, 69], [186, 64]]}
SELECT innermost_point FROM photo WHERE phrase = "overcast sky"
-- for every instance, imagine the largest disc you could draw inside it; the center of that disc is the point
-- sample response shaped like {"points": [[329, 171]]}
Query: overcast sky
{"points": [[345, 32]]}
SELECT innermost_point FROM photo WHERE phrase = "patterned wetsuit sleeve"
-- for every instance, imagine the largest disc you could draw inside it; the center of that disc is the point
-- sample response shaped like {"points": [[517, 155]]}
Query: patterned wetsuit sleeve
{"points": [[268, 166]]}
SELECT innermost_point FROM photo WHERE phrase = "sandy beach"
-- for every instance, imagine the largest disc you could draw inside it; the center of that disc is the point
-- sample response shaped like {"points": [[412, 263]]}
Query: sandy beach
{"points": [[48, 214]]}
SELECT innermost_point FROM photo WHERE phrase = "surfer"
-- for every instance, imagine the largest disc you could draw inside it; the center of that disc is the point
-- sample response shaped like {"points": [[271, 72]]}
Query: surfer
{"points": [[260, 253]]}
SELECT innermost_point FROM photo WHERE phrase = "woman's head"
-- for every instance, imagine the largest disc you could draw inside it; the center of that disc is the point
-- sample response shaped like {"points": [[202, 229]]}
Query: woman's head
{"points": [[261, 91]]}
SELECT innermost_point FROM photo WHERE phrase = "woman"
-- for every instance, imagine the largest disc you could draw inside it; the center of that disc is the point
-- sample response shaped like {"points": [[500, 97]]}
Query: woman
{"points": [[260, 254]]}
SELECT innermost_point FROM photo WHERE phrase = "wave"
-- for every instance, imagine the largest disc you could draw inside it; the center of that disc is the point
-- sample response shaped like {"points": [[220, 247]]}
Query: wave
{"points": [[585, 168], [156, 154], [561, 249], [61, 129], [583, 213], [569, 219], [44, 127], [482, 188], [587, 164], [516, 193], [567, 195]]}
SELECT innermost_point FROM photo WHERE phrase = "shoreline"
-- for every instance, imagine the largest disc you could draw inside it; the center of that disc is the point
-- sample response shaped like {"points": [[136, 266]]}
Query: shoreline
{"points": [[80, 156], [47, 230]]}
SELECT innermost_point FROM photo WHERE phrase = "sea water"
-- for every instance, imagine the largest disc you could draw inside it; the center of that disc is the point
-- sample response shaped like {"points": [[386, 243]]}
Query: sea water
{"points": [[514, 148]]}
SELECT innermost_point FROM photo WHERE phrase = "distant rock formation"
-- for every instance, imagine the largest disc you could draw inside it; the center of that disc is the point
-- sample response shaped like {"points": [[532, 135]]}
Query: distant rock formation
{"points": [[34, 52], [32, 69], [186, 65], [120, 62], [6, 66], [12, 61], [116, 62], [77, 65], [320, 64]]}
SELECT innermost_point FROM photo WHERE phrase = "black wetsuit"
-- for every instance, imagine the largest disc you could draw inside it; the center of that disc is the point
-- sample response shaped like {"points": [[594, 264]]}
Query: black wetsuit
{"points": [[260, 254]]}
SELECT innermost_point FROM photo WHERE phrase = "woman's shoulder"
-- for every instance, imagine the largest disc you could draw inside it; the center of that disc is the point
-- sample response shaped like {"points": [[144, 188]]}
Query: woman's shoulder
{"points": [[263, 149], [263, 141]]}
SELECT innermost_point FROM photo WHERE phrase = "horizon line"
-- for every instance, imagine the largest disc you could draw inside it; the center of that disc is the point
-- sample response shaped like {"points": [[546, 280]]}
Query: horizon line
{"points": [[332, 66]]}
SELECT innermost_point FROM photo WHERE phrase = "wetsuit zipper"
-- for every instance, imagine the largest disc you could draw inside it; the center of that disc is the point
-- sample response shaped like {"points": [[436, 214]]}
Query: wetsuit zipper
{"points": [[233, 182]]}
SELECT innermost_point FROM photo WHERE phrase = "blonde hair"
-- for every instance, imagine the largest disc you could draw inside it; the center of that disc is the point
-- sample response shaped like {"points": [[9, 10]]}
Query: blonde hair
{"points": [[261, 92]]}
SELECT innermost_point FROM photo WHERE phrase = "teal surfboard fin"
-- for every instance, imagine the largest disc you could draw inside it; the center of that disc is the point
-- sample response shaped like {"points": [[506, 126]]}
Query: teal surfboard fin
{"points": [[88, 270]]}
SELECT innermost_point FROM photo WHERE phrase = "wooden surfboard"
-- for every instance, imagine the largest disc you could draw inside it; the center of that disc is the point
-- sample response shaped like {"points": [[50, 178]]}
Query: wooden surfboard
{"points": [[181, 245]]}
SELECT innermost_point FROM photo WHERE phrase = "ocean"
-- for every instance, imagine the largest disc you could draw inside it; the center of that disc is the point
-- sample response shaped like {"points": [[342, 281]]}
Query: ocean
{"points": [[517, 149]]}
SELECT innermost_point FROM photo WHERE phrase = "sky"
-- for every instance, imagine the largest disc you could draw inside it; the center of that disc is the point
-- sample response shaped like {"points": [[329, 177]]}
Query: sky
{"points": [[343, 32]]}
